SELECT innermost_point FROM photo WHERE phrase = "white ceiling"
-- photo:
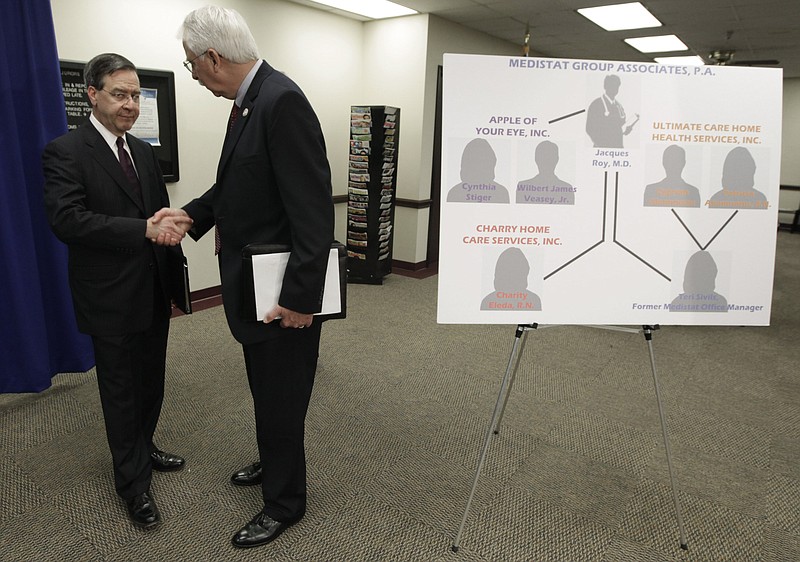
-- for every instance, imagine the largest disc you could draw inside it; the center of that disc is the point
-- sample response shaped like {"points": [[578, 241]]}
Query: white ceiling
{"points": [[755, 29]]}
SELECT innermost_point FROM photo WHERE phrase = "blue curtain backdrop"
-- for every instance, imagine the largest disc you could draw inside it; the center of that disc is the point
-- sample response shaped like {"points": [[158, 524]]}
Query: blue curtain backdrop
{"points": [[38, 335]]}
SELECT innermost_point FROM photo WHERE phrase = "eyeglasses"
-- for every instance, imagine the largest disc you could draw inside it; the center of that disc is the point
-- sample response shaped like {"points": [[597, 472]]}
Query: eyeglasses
{"points": [[189, 64], [123, 97]]}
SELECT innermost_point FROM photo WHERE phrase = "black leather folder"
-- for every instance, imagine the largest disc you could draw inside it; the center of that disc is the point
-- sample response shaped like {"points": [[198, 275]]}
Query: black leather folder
{"points": [[178, 273]]}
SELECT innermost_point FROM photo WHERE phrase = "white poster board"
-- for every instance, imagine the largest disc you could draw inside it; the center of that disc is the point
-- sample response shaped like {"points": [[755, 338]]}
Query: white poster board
{"points": [[602, 192]]}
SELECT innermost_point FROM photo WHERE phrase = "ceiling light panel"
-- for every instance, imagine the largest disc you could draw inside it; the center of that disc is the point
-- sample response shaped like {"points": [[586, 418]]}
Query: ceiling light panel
{"points": [[692, 60], [375, 9], [657, 44], [621, 16]]}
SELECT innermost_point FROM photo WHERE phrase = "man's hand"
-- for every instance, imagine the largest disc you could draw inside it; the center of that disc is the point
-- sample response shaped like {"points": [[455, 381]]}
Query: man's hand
{"points": [[289, 318], [168, 226]]}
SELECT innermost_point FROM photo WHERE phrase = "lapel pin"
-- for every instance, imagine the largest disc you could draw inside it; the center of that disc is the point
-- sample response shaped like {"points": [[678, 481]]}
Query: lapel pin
{"points": [[245, 112]]}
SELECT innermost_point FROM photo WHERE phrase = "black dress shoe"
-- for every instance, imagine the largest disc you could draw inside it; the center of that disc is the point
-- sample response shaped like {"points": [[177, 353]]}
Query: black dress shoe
{"points": [[261, 530], [143, 511], [248, 476], [166, 462]]}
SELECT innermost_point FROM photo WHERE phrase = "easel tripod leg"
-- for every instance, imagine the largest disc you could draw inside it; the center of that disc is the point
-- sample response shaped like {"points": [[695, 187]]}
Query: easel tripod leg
{"points": [[521, 350], [518, 337], [648, 335]]}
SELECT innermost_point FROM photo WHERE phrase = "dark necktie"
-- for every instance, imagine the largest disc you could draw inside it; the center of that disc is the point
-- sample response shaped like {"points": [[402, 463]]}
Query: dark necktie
{"points": [[127, 167], [234, 115], [231, 121]]}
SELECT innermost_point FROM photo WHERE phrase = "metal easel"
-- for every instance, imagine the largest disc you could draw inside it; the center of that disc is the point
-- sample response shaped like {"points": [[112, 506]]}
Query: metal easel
{"points": [[520, 338]]}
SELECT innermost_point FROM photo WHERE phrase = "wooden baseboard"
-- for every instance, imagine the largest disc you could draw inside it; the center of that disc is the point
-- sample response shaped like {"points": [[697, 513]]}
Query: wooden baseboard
{"points": [[212, 296], [203, 299], [419, 270]]}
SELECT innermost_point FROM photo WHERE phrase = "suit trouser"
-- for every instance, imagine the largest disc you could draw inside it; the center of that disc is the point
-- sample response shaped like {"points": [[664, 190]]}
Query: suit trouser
{"points": [[281, 376], [130, 377]]}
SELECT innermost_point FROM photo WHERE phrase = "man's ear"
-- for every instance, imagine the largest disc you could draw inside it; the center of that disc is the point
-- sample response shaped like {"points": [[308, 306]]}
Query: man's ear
{"points": [[91, 93], [215, 57]]}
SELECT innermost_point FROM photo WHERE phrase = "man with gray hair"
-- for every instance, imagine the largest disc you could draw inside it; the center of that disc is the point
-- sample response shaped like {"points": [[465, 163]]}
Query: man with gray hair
{"points": [[101, 184], [273, 186]]}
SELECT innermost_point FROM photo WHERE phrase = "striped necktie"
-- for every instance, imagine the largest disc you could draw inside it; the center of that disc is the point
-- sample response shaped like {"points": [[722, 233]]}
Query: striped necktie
{"points": [[128, 169], [231, 121]]}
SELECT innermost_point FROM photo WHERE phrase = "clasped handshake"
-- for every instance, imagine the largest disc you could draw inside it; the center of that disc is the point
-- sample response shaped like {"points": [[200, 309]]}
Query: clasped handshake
{"points": [[168, 226]]}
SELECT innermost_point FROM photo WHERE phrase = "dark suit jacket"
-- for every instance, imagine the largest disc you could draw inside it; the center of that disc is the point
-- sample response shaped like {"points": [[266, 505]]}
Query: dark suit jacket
{"points": [[273, 186], [92, 208]]}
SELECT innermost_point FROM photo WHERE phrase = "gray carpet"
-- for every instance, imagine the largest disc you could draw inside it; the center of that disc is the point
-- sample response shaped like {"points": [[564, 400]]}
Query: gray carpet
{"points": [[398, 417]]}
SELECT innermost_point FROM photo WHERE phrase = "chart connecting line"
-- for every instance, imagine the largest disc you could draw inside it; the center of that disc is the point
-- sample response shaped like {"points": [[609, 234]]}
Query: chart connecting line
{"points": [[616, 208], [620, 244], [573, 114], [614, 237], [680, 220], [602, 232], [605, 203]]}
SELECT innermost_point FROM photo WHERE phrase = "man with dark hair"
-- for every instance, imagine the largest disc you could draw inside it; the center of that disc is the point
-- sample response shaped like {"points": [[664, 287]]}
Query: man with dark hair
{"points": [[273, 186], [101, 184]]}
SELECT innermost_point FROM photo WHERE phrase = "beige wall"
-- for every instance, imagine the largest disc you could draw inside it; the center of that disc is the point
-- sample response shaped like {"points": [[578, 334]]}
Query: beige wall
{"points": [[445, 37], [338, 62], [403, 56], [394, 61], [790, 162], [321, 51]]}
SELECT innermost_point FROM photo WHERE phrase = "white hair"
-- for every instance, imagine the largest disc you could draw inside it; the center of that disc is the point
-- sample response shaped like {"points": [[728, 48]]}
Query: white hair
{"points": [[221, 29]]}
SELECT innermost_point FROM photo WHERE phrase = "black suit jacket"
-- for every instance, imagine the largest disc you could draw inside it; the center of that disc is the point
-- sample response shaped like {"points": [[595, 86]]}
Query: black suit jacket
{"points": [[273, 186], [92, 208]]}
